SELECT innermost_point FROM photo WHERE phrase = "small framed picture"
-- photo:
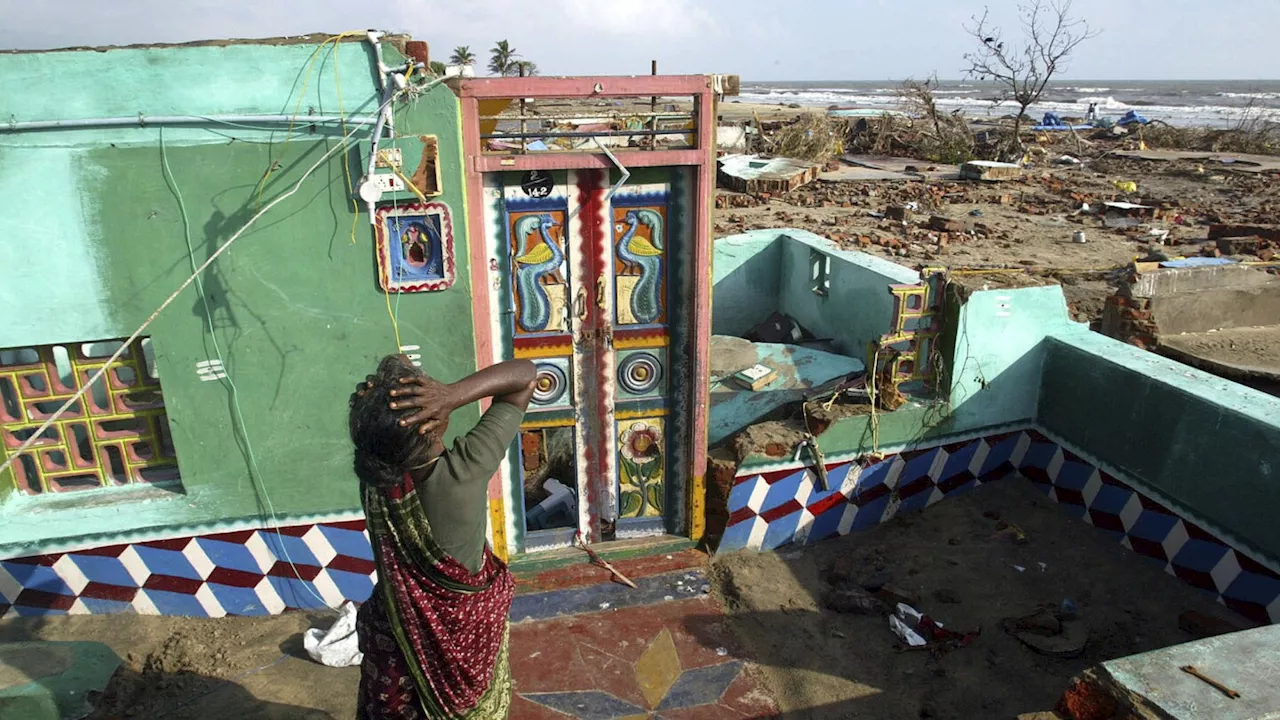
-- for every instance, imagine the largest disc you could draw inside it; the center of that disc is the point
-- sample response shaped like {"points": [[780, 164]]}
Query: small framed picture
{"points": [[415, 248]]}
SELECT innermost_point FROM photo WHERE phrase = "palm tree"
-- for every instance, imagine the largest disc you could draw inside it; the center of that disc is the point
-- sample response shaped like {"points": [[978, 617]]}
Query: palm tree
{"points": [[502, 59], [524, 68], [462, 55]]}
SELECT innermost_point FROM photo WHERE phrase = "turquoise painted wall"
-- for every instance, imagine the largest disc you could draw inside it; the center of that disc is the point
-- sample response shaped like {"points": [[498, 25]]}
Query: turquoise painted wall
{"points": [[1209, 447], [858, 308], [745, 281], [998, 356], [94, 241]]}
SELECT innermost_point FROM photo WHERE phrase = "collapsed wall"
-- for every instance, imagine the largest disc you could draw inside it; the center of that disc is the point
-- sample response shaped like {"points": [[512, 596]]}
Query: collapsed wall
{"points": [[1224, 319]]}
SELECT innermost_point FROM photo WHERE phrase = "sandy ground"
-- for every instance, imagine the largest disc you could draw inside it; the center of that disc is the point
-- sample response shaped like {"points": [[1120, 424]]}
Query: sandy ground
{"points": [[822, 664], [187, 668], [1255, 349]]}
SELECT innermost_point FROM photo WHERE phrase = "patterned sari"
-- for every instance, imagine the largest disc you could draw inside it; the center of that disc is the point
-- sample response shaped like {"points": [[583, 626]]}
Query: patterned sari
{"points": [[434, 635]]}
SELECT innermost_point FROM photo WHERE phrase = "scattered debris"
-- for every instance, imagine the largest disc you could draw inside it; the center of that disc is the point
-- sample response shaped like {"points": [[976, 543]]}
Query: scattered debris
{"points": [[756, 377], [335, 646], [918, 630], [777, 328], [596, 559], [812, 137]]}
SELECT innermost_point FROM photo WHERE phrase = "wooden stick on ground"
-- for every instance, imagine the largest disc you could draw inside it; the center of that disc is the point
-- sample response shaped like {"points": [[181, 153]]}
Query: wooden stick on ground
{"points": [[577, 540]]}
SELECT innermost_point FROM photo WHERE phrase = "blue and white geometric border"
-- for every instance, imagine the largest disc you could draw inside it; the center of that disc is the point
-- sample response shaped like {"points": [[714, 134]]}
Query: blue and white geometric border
{"points": [[772, 509]]}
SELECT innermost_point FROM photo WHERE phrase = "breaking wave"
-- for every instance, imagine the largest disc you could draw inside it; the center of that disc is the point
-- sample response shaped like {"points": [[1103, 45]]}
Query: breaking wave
{"points": [[981, 103], [1251, 95]]}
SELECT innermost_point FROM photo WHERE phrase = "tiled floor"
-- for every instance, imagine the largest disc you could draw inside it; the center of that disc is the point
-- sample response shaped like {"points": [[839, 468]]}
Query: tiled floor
{"points": [[661, 650]]}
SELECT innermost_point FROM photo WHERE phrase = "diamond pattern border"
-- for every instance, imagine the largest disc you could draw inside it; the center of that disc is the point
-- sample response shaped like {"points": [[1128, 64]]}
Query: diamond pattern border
{"points": [[769, 510], [258, 572], [247, 572]]}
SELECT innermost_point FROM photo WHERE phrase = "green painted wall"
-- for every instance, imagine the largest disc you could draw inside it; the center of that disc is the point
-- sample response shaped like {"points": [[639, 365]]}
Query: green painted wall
{"points": [[297, 311], [1207, 446]]}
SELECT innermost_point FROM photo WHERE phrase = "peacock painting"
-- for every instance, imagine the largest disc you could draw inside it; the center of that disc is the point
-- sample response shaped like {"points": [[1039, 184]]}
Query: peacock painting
{"points": [[644, 254], [537, 261]]}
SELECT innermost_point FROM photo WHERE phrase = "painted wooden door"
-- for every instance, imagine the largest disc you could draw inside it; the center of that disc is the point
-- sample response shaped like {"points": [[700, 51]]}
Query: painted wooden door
{"points": [[584, 283]]}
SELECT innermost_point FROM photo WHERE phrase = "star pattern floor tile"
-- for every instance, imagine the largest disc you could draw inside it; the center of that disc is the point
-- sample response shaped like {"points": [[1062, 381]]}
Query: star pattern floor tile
{"points": [[671, 659]]}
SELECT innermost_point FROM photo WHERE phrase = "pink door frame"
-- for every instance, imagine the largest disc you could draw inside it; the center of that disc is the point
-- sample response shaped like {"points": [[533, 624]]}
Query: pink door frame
{"points": [[702, 157]]}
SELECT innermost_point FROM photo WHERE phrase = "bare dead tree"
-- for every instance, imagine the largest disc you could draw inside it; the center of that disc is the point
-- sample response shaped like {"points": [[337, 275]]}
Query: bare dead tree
{"points": [[1023, 69]]}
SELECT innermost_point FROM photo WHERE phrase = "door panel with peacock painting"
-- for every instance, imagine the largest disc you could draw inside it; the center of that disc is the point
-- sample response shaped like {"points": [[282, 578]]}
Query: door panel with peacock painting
{"points": [[640, 259], [585, 282], [540, 273], [642, 238]]}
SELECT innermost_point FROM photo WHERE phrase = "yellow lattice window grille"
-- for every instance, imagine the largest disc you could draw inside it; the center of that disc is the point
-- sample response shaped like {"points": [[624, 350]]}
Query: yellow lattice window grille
{"points": [[116, 434]]}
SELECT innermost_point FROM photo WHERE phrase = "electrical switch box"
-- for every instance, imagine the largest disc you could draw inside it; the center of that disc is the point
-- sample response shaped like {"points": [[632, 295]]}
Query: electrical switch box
{"points": [[405, 164]]}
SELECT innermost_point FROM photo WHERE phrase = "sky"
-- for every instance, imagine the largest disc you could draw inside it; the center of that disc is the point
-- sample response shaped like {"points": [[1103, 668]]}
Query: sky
{"points": [[755, 39]]}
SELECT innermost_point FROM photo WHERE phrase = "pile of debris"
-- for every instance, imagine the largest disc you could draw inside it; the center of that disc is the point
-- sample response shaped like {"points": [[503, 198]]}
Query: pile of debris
{"points": [[872, 592]]}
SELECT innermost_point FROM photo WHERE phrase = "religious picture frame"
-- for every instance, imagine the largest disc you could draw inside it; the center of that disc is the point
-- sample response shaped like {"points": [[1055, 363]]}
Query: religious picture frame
{"points": [[415, 248]]}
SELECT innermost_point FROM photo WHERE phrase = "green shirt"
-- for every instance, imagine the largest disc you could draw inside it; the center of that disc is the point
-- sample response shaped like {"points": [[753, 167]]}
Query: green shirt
{"points": [[455, 494]]}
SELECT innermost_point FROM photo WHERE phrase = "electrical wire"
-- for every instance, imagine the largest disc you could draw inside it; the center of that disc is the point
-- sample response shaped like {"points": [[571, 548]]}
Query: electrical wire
{"points": [[238, 418], [302, 95], [169, 300]]}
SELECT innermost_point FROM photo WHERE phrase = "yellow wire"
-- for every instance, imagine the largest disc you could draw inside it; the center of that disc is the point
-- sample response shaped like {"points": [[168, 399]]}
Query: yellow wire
{"points": [[409, 184], [395, 324], [302, 95], [346, 163]]}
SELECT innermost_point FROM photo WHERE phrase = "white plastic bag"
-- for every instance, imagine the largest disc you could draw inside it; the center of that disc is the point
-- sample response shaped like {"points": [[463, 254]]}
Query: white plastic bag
{"points": [[337, 646]]}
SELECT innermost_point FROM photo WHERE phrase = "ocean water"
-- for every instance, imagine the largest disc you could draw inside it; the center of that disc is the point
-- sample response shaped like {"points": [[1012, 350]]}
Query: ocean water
{"points": [[1217, 103]]}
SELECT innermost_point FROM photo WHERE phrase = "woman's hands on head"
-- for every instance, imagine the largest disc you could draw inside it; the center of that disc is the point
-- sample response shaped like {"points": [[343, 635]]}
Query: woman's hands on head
{"points": [[432, 399]]}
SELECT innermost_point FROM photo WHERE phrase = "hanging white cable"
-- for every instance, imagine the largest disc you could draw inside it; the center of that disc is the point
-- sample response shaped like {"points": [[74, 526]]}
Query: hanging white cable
{"points": [[222, 248]]}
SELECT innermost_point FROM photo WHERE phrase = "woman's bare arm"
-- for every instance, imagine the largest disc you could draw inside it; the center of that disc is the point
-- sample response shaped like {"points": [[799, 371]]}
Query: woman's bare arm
{"points": [[510, 382]]}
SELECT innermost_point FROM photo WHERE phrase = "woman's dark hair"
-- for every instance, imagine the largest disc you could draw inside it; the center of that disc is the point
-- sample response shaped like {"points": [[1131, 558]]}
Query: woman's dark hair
{"points": [[385, 449]]}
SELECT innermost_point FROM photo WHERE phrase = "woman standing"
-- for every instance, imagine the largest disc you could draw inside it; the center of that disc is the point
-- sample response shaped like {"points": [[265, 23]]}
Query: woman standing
{"points": [[434, 632]]}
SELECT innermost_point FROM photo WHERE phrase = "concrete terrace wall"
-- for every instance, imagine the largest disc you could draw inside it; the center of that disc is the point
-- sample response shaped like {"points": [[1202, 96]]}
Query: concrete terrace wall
{"points": [[745, 280], [1207, 447], [1176, 464], [766, 271], [858, 307], [92, 240]]}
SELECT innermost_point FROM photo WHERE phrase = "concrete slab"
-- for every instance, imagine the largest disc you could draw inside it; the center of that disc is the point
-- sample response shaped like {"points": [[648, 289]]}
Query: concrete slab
{"points": [[910, 167], [858, 173], [758, 174], [1247, 662], [1231, 161], [1218, 308], [1237, 353], [799, 369], [990, 171]]}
